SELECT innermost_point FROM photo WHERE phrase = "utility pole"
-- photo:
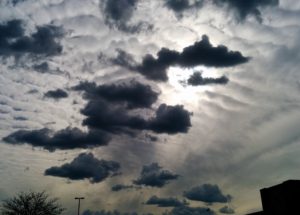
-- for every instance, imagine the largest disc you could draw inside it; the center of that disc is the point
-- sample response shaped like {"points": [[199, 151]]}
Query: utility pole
{"points": [[79, 198]]}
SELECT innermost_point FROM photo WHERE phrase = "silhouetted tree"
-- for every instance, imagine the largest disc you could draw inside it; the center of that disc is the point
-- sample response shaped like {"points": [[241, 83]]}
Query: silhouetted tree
{"points": [[31, 203]]}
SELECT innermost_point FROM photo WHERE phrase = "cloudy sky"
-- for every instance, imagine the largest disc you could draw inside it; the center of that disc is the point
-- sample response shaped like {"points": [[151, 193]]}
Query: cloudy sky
{"points": [[149, 106]]}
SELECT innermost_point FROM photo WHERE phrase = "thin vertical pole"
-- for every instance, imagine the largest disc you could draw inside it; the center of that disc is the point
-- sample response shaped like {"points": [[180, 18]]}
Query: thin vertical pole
{"points": [[79, 198]]}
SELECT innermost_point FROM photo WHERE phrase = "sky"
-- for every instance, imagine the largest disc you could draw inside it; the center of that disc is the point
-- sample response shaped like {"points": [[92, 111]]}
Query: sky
{"points": [[165, 106]]}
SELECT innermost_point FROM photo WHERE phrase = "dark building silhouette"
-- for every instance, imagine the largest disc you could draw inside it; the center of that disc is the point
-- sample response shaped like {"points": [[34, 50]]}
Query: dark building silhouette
{"points": [[281, 199], [257, 213]]}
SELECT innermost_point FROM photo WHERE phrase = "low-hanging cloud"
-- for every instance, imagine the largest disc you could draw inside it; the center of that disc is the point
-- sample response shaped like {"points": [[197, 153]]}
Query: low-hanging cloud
{"points": [[154, 176], [207, 193], [85, 166], [69, 138]]}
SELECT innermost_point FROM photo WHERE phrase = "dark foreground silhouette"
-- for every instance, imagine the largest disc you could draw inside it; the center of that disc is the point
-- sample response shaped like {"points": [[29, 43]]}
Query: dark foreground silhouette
{"points": [[31, 203], [281, 199]]}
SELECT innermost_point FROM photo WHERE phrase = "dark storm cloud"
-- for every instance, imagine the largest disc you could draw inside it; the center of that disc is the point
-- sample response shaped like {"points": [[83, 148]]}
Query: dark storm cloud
{"points": [[247, 7], [133, 94], [42, 68], [226, 210], [115, 212], [165, 202], [119, 187], [200, 53], [85, 166], [154, 176], [207, 193], [178, 6], [13, 40], [106, 116], [135, 28], [168, 119], [56, 94], [10, 29], [118, 13], [124, 59], [156, 68], [196, 79], [119, 10], [15, 2], [20, 118], [69, 138], [184, 210]]}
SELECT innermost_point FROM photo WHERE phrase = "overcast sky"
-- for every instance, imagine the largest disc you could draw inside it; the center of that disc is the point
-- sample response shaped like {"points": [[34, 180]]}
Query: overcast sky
{"points": [[149, 106]]}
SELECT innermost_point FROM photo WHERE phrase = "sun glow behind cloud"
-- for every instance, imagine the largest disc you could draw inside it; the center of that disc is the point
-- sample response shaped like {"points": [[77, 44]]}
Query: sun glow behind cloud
{"points": [[185, 93]]}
